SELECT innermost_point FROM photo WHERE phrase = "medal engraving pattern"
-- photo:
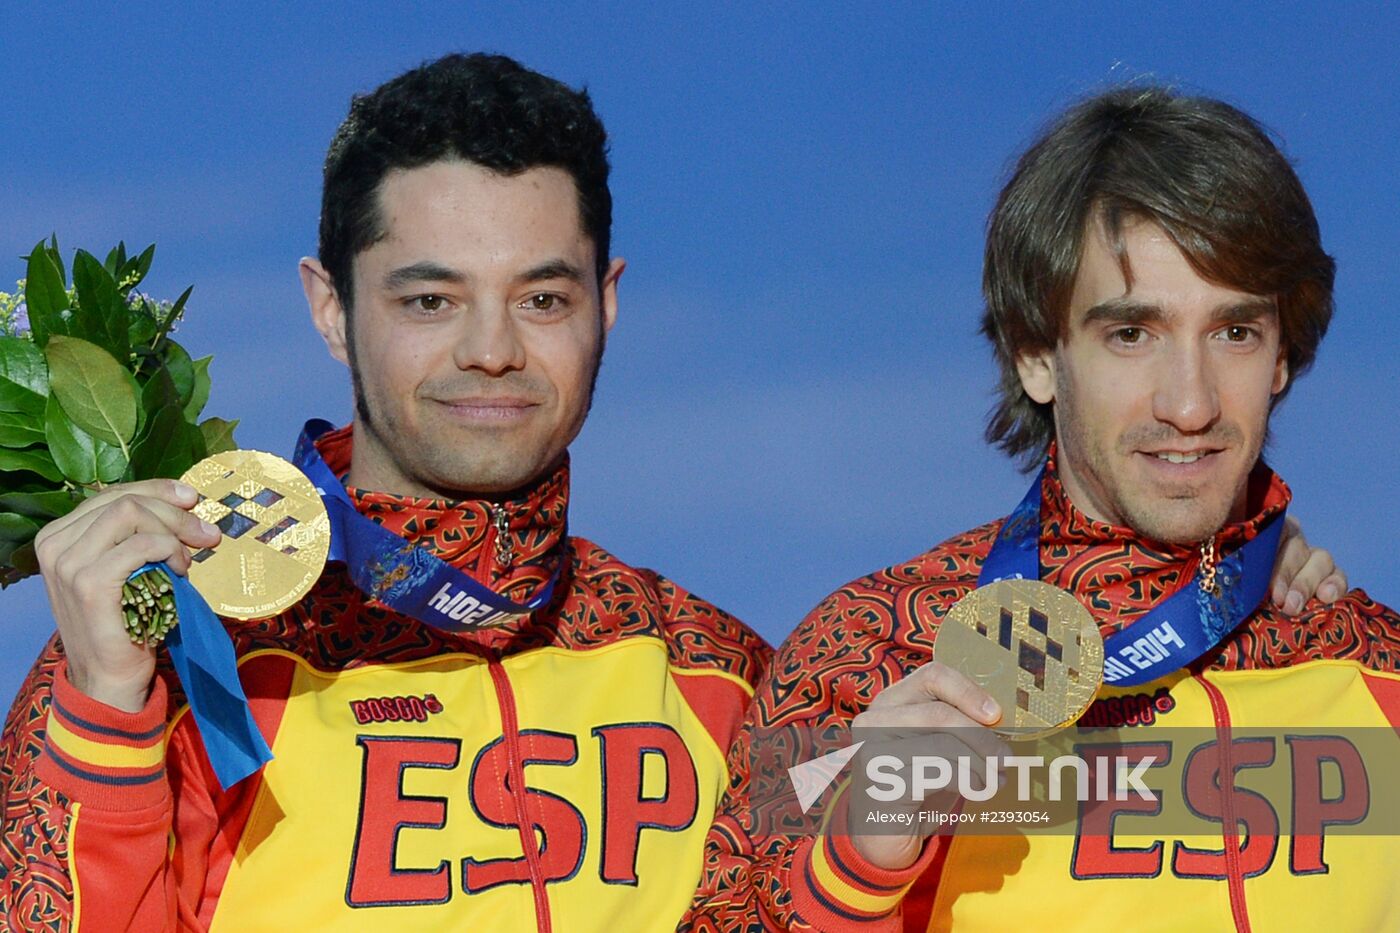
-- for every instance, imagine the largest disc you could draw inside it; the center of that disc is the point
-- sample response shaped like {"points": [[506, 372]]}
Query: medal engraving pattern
{"points": [[1031, 645], [276, 533]]}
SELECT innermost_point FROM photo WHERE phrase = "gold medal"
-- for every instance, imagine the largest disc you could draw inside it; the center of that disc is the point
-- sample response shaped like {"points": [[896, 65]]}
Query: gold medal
{"points": [[1032, 646], [276, 533]]}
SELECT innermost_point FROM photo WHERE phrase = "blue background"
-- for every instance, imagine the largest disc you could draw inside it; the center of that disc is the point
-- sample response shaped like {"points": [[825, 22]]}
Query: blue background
{"points": [[795, 390]]}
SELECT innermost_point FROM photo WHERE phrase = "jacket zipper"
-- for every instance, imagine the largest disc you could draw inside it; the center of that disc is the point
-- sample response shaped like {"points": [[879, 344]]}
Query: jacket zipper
{"points": [[1229, 826], [498, 548], [510, 733]]}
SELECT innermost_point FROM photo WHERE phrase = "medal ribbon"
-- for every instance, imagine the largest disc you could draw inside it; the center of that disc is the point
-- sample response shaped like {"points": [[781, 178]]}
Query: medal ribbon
{"points": [[203, 657], [1182, 628], [406, 578]]}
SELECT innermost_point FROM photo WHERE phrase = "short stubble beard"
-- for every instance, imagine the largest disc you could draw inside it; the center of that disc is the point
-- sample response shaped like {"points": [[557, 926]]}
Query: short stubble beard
{"points": [[1188, 518]]}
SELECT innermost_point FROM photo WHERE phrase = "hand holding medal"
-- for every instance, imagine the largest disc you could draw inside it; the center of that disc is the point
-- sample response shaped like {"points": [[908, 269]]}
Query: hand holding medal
{"points": [[275, 533], [1029, 649], [275, 539], [1015, 659], [1032, 646]]}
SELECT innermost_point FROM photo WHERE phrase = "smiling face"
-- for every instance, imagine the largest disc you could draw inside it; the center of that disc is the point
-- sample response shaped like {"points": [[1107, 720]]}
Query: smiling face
{"points": [[477, 331], [1161, 391]]}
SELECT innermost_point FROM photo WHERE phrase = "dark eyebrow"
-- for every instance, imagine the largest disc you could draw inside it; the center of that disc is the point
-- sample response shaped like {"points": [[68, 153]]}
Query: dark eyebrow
{"points": [[426, 271], [1123, 310], [554, 269], [1245, 311]]}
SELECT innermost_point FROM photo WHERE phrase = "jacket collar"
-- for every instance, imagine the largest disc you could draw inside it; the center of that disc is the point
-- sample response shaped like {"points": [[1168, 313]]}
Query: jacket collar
{"points": [[466, 532]]}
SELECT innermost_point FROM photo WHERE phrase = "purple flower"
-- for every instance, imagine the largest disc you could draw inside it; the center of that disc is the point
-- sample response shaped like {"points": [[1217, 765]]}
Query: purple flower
{"points": [[21, 320]]}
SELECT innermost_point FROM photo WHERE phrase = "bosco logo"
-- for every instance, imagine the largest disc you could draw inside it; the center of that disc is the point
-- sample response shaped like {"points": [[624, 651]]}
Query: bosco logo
{"points": [[395, 709], [1133, 709]]}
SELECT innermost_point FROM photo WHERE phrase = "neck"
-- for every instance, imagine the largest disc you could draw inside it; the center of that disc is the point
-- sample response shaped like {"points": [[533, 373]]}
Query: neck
{"points": [[1078, 492]]}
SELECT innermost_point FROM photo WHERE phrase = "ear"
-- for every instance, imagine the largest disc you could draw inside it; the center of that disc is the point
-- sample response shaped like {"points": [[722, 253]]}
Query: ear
{"points": [[1280, 373], [1037, 372], [608, 288], [327, 314]]}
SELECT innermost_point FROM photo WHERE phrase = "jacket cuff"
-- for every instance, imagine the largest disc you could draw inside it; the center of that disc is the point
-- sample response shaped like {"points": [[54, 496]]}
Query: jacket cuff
{"points": [[103, 757], [835, 888]]}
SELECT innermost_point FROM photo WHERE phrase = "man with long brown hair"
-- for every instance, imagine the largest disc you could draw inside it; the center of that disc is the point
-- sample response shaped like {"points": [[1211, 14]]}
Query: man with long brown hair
{"points": [[1155, 282]]}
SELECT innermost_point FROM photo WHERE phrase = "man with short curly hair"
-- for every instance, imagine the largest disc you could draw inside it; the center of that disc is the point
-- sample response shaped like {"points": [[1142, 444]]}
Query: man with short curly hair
{"points": [[557, 769]]}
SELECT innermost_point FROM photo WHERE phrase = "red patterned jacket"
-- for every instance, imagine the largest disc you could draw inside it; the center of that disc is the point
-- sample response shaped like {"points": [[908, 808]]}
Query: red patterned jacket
{"points": [[1340, 661], [559, 773]]}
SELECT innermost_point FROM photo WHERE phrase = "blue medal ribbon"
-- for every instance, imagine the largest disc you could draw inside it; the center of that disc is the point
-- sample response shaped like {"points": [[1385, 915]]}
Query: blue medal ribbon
{"points": [[203, 657], [1185, 626], [401, 575]]}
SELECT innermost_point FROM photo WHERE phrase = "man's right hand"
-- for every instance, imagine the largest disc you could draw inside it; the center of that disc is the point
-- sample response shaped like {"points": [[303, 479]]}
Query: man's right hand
{"points": [[934, 711], [86, 557]]}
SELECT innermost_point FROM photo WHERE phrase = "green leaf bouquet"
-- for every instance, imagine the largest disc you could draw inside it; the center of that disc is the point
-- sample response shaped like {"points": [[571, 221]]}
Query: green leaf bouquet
{"points": [[93, 391]]}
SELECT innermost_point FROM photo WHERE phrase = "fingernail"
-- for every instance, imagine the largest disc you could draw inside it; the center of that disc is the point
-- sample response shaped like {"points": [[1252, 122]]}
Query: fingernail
{"points": [[1327, 592], [1293, 603], [990, 710], [185, 491], [208, 528]]}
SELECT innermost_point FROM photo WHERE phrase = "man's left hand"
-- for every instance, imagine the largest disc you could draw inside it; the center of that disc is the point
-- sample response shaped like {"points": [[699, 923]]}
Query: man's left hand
{"points": [[1302, 572]]}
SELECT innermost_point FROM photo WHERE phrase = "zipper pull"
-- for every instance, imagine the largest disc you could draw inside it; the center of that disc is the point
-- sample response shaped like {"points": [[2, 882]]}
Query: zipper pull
{"points": [[505, 548], [1209, 585]]}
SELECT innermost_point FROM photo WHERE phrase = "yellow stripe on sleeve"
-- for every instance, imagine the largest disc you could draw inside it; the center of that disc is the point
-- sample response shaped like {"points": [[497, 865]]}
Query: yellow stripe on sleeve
{"points": [[98, 753], [849, 896]]}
